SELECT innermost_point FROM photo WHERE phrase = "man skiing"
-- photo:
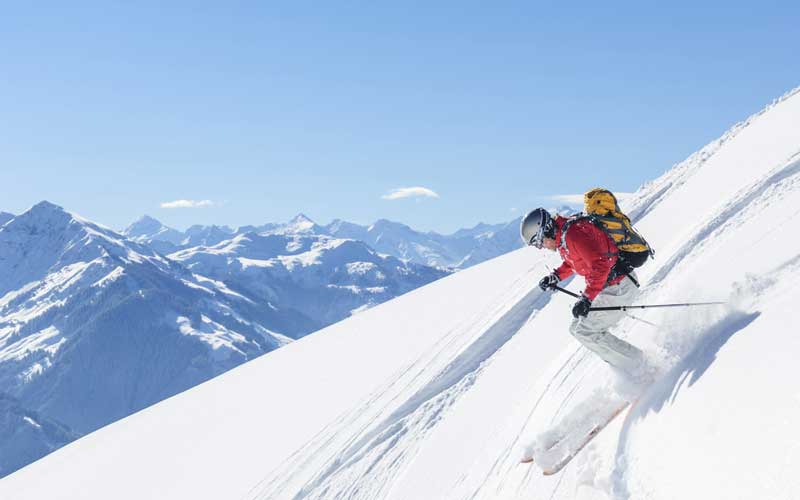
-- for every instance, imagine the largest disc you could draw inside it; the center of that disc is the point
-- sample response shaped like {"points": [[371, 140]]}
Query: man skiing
{"points": [[590, 252]]}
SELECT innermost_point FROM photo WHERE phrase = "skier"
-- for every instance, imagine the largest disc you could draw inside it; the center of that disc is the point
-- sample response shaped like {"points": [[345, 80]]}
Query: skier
{"points": [[590, 252]]}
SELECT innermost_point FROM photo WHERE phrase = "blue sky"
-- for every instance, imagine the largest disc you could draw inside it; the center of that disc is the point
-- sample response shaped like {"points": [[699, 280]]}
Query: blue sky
{"points": [[267, 109]]}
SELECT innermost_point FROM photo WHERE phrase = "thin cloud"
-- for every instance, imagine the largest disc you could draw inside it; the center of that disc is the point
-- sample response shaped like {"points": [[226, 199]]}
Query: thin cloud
{"points": [[188, 204], [577, 199], [410, 192]]}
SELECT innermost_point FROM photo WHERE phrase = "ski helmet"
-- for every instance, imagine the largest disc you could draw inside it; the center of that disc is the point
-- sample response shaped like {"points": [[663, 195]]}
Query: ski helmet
{"points": [[536, 226]]}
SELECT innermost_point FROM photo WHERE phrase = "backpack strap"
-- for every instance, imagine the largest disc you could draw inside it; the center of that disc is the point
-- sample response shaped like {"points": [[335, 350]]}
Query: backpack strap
{"points": [[591, 219], [622, 231], [626, 230]]}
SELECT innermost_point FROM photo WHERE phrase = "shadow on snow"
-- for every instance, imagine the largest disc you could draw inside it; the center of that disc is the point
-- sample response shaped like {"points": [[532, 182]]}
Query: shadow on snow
{"points": [[685, 374]]}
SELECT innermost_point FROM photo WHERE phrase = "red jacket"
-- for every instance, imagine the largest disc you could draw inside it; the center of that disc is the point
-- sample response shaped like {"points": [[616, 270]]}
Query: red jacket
{"points": [[589, 252]]}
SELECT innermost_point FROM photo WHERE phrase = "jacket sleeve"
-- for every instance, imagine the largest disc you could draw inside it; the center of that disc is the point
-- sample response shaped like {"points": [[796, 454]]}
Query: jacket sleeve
{"points": [[564, 271], [592, 246]]}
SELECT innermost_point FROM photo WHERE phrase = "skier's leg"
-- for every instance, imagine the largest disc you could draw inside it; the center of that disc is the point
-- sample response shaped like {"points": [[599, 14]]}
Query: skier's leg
{"points": [[592, 330]]}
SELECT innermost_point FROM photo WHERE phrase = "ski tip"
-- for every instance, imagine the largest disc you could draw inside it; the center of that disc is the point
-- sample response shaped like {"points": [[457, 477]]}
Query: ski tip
{"points": [[526, 460], [549, 472]]}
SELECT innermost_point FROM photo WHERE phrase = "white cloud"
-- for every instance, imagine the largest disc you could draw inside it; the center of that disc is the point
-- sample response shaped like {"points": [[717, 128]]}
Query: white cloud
{"points": [[577, 199], [409, 192], [188, 204]]}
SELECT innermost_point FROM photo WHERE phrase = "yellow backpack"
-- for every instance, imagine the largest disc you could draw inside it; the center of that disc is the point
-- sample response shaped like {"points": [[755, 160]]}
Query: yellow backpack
{"points": [[601, 207]]}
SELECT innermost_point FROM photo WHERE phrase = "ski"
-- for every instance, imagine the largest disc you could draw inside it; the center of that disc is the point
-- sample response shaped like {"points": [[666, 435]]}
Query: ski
{"points": [[553, 444], [589, 437]]}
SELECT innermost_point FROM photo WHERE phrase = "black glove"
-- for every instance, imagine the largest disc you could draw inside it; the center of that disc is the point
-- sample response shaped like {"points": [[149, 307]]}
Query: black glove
{"points": [[581, 308], [549, 281]]}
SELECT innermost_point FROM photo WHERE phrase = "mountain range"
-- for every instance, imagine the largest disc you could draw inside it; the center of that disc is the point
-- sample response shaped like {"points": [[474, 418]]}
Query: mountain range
{"points": [[459, 250], [96, 324]]}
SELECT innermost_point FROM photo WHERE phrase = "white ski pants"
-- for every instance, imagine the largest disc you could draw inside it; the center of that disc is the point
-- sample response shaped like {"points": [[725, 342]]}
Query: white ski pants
{"points": [[592, 329]]}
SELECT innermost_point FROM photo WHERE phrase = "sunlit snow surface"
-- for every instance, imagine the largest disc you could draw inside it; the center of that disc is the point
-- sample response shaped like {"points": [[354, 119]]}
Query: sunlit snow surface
{"points": [[435, 395]]}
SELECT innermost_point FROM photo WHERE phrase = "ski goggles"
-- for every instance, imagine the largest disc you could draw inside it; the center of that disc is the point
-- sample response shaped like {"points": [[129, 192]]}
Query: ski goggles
{"points": [[538, 238]]}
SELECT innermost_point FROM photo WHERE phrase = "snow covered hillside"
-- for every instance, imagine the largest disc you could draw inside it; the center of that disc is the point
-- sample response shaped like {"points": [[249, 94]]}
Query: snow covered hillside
{"points": [[148, 231], [434, 395], [294, 267], [94, 327], [459, 250], [325, 279]]}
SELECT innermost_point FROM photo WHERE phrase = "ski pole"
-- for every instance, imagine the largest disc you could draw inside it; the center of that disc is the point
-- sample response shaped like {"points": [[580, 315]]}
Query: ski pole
{"points": [[564, 290], [625, 308], [637, 318]]}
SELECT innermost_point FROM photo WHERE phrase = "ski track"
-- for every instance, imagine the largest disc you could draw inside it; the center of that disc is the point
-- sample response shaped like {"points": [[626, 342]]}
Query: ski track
{"points": [[508, 462], [729, 216], [374, 448], [681, 173]]}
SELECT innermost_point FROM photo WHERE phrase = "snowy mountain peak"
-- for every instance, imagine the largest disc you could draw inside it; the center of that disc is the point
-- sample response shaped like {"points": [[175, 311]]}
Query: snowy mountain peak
{"points": [[46, 211], [150, 231], [47, 239], [198, 235], [338, 225], [198, 229], [479, 228], [300, 219], [46, 205], [300, 223], [384, 224], [5, 217], [145, 225]]}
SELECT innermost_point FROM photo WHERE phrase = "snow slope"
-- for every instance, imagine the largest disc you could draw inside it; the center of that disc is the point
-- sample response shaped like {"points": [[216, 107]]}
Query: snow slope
{"points": [[434, 395]]}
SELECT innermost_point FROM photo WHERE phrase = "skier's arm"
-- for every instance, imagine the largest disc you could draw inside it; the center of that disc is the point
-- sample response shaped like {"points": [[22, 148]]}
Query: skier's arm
{"points": [[564, 271], [594, 250]]}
